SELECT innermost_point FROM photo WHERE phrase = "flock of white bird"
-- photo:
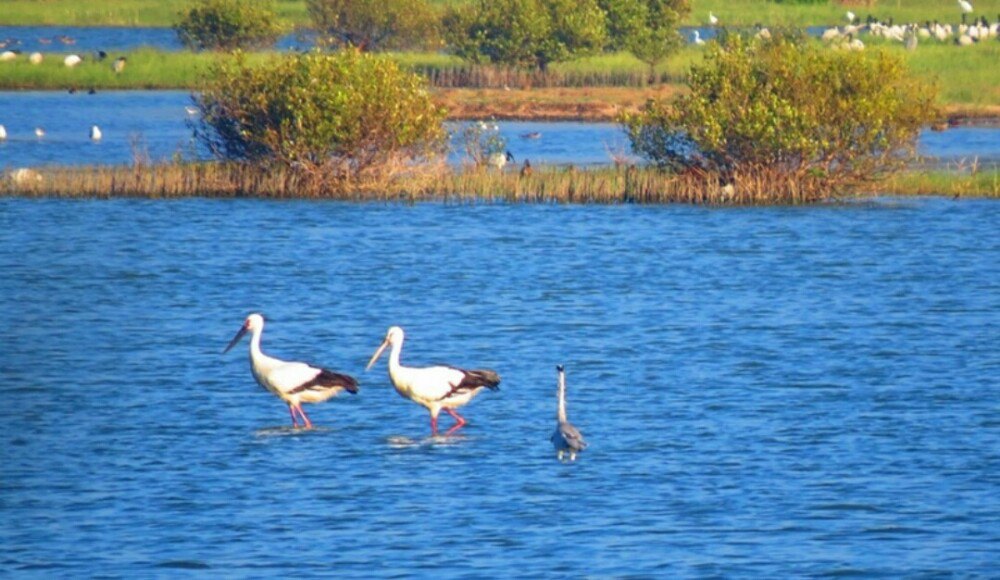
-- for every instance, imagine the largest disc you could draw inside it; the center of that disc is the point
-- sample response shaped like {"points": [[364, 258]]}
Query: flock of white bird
{"points": [[70, 60], [436, 388], [95, 133], [847, 37]]}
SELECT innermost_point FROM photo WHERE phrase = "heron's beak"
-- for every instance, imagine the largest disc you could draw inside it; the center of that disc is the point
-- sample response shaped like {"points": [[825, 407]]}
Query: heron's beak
{"points": [[239, 335], [377, 354]]}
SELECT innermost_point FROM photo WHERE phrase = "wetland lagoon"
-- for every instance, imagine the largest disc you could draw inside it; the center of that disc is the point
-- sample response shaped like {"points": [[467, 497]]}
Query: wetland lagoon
{"points": [[767, 391], [775, 391]]}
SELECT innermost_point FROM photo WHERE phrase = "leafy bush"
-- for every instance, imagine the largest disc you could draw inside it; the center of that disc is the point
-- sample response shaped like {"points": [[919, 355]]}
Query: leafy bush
{"points": [[228, 25], [527, 33], [374, 24], [334, 117], [788, 108], [646, 28]]}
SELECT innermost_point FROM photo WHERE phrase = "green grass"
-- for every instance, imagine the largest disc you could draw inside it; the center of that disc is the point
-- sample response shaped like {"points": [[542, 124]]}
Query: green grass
{"points": [[964, 75], [293, 12], [146, 69], [116, 12], [769, 13]]}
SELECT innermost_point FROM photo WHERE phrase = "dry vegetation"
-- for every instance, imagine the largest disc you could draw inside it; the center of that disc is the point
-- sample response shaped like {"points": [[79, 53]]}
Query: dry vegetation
{"points": [[623, 184]]}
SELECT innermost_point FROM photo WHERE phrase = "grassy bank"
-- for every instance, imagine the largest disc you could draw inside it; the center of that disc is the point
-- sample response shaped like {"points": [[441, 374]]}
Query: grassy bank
{"points": [[116, 12], [593, 88], [544, 185], [293, 12]]}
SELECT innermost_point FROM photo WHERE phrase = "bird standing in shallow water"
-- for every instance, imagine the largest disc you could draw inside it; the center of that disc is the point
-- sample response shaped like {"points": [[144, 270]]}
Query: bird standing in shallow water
{"points": [[436, 388], [567, 439], [292, 382]]}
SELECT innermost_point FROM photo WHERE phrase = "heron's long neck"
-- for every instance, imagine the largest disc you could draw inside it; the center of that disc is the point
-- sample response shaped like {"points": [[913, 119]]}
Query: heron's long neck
{"points": [[562, 398]]}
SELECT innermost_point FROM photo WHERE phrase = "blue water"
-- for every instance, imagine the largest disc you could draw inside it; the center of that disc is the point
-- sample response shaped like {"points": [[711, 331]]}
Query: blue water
{"points": [[86, 40], [767, 392], [155, 123]]}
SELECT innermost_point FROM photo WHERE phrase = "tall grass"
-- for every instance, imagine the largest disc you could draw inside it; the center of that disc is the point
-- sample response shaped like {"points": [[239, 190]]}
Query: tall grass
{"points": [[544, 185]]}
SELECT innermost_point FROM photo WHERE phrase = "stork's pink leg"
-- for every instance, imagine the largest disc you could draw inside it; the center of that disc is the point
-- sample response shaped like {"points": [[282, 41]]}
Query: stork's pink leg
{"points": [[291, 411], [434, 425], [460, 420], [305, 418]]}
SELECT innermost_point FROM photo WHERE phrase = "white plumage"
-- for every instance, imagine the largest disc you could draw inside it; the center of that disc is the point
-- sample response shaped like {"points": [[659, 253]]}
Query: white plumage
{"points": [[3, 133], [292, 382], [95, 133], [72, 60], [697, 39], [965, 5], [436, 388], [712, 19]]}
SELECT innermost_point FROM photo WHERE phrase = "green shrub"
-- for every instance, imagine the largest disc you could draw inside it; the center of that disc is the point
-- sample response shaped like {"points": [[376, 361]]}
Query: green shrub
{"points": [[229, 25], [338, 116], [375, 24], [787, 108], [525, 33]]}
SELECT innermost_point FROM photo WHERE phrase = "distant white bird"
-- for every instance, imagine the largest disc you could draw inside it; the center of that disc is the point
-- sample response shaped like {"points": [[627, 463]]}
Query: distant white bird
{"points": [[36, 58], [292, 382], [850, 17], [72, 60], [191, 110], [8, 55], [712, 19], [119, 65], [499, 160], [3, 133], [567, 439], [436, 388], [95, 133], [965, 5], [39, 132], [697, 39]]}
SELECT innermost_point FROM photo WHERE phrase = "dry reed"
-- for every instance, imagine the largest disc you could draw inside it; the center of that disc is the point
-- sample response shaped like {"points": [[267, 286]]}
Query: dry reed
{"points": [[609, 185]]}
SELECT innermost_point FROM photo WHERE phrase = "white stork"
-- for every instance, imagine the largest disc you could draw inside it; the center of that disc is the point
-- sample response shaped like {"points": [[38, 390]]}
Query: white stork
{"points": [[95, 133], [437, 387], [567, 439], [965, 5], [293, 382]]}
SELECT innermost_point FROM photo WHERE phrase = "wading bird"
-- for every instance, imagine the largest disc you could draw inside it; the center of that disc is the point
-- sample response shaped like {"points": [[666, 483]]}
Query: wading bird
{"points": [[119, 65], [3, 133], [498, 159], [292, 382], [72, 60], [95, 133], [436, 388], [966, 6], [712, 19], [697, 39], [567, 439]]}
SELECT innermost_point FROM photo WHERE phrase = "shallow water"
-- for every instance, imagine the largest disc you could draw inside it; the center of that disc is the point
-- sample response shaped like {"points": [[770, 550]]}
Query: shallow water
{"points": [[768, 392], [156, 123]]}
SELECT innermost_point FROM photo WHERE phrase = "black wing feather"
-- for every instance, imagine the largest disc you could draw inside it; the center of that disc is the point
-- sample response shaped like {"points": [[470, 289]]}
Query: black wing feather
{"points": [[327, 379], [472, 380]]}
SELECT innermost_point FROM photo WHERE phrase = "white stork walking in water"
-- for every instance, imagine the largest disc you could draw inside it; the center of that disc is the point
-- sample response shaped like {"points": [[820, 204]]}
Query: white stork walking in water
{"points": [[437, 387], [292, 382], [567, 439]]}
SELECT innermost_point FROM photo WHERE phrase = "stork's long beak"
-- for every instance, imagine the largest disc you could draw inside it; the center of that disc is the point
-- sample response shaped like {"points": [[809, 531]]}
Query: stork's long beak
{"points": [[239, 335], [377, 354]]}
